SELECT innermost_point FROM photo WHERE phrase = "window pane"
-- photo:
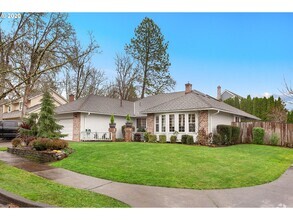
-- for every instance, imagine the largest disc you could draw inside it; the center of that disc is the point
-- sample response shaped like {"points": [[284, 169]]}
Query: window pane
{"points": [[163, 123], [181, 123], [157, 123], [171, 123], [191, 122]]}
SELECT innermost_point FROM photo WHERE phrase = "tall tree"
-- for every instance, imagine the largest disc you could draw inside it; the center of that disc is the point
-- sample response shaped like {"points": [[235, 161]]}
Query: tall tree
{"points": [[149, 49], [126, 76], [47, 124], [41, 47]]}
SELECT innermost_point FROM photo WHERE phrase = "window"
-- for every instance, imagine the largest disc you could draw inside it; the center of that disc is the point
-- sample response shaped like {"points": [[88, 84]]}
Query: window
{"points": [[191, 122], [157, 123], [9, 108], [163, 123], [141, 123], [20, 106], [237, 119], [171, 123], [181, 122]]}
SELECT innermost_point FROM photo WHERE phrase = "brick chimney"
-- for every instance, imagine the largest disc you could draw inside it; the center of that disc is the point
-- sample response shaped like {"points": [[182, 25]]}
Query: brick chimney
{"points": [[71, 98], [219, 93], [188, 88]]}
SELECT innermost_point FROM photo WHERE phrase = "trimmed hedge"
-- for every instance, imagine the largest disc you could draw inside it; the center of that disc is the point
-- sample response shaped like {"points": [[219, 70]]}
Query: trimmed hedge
{"points": [[173, 139], [184, 138], [217, 140], [225, 131], [189, 140], [162, 138], [258, 135], [152, 138], [235, 135], [274, 140], [146, 136]]}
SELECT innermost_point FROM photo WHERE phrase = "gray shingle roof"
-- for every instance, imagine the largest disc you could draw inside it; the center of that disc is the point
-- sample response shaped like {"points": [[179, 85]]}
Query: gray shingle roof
{"points": [[169, 102], [195, 101], [99, 105]]}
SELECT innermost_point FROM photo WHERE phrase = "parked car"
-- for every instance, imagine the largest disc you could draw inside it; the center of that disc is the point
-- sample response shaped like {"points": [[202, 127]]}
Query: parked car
{"points": [[8, 129]]}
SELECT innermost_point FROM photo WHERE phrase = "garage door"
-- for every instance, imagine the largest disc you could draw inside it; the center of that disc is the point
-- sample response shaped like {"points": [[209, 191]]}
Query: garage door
{"points": [[67, 129]]}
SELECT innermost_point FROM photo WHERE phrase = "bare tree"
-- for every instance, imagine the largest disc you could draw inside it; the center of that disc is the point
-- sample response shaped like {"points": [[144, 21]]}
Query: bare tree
{"points": [[81, 78], [288, 91], [127, 75], [40, 47]]}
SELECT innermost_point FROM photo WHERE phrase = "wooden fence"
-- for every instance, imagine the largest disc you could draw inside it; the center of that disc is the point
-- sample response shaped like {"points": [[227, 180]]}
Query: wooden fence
{"points": [[283, 130]]}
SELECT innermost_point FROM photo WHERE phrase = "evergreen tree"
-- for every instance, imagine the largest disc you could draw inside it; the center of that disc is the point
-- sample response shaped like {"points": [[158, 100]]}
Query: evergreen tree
{"points": [[149, 49], [47, 124], [290, 117]]}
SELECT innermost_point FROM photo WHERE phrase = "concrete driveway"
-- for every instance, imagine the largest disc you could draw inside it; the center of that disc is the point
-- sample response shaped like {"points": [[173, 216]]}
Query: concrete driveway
{"points": [[278, 193]]}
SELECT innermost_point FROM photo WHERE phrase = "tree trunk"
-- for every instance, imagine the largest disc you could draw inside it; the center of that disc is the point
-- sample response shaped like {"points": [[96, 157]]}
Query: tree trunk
{"points": [[25, 101]]}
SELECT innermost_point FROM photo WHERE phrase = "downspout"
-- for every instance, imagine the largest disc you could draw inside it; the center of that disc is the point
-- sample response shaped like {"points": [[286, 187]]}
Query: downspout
{"points": [[212, 119]]}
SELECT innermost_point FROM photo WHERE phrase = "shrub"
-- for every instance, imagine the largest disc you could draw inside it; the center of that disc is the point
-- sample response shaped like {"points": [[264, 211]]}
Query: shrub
{"points": [[235, 135], [119, 139], [162, 138], [217, 140], [40, 144], [173, 139], [184, 138], [152, 138], [146, 136], [202, 137], [189, 140], [128, 118], [225, 131], [141, 130], [137, 137], [16, 142], [112, 119], [58, 144], [258, 135], [274, 140]]}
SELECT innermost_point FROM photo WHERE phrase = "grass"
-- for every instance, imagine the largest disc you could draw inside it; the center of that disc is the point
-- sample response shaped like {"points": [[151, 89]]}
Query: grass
{"points": [[39, 189], [3, 148], [176, 165]]}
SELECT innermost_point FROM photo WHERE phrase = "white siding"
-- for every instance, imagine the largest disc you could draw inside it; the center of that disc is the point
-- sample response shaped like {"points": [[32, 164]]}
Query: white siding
{"points": [[67, 121], [220, 119], [100, 123]]}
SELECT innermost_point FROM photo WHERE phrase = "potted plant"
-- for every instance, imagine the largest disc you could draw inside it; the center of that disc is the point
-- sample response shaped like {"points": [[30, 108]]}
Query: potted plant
{"points": [[112, 122], [128, 121]]}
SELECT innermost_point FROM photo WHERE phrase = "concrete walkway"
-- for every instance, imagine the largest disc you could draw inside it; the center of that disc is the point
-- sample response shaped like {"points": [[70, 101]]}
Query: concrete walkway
{"points": [[275, 194]]}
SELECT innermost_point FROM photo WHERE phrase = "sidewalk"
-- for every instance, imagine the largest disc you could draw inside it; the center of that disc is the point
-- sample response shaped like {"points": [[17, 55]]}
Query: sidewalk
{"points": [[275, 194]]}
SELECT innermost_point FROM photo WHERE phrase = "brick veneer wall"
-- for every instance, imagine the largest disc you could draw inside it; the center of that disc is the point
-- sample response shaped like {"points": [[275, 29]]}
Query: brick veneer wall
{"points": [[38, 156], [150, 123], [76, 126], [203, 122]]}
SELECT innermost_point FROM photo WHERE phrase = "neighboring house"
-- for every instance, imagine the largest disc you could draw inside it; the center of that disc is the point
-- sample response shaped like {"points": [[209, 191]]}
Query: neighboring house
{"points": [[185, 112], [12, 109], [227, 94]]}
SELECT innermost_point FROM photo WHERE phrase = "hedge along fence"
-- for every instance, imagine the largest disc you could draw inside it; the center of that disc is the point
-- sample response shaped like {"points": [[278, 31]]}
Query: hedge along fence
{"points": [[282, 130]]}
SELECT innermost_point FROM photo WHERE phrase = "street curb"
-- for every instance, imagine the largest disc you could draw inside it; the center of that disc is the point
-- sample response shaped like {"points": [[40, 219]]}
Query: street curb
{"points": [[22, 202]]}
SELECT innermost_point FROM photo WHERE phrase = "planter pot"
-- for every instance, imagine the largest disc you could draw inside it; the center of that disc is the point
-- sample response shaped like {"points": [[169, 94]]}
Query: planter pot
{"points": [[128, 124], [112, 125]]}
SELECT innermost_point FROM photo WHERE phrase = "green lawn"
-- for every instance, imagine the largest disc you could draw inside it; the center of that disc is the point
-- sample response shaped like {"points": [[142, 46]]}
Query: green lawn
{"points": [[3, 148], [176, 165], [39, 189]]}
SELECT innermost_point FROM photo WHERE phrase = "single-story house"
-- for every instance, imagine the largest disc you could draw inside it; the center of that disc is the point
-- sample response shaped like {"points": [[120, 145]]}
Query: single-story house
{"points": [[184, 112]]}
